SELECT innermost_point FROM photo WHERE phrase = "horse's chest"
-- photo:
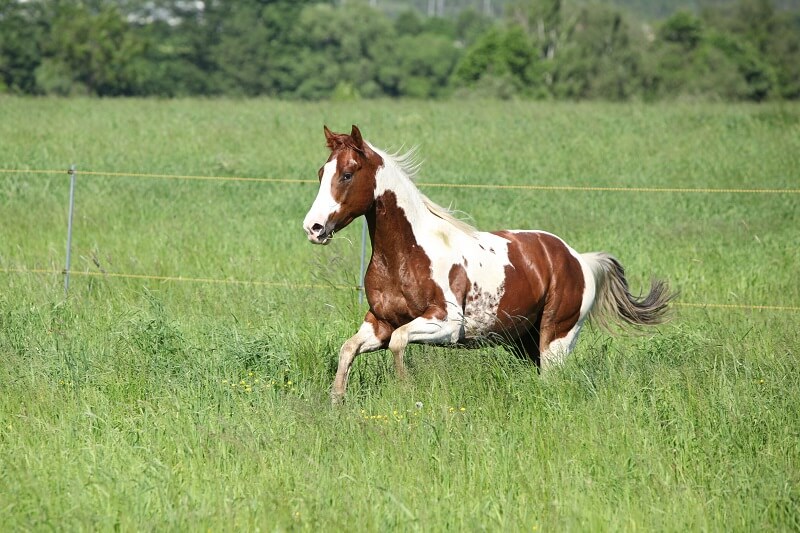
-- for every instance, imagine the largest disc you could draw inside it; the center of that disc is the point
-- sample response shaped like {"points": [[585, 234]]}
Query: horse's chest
{"points": [[402, 291]]}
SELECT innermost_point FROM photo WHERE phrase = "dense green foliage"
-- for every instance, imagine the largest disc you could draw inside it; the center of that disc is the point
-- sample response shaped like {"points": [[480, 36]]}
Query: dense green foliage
{"points": [[139, 404], [312, 49]]}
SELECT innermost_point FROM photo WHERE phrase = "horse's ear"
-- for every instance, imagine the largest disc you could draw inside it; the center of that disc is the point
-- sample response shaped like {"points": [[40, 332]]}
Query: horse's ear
{"points": [[330, 137], [355, 133]]}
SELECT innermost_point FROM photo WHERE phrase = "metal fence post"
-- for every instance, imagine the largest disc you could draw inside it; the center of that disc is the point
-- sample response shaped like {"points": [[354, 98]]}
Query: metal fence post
{"points": [[72, 173]]}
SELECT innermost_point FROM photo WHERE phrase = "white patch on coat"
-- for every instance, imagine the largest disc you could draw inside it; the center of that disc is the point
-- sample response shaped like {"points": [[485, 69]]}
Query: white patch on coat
{"points": [[486, 269]]}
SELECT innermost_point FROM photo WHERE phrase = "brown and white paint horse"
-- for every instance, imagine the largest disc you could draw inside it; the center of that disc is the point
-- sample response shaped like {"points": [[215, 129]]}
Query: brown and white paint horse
{"points": [[434, 279]]}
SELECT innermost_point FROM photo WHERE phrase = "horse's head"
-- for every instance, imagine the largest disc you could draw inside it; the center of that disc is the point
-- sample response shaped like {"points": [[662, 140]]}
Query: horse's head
{"points": [[346, 185]]}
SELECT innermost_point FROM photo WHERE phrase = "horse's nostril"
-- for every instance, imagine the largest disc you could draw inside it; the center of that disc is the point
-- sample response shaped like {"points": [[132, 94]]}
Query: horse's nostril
{"points": [[316, 227]]}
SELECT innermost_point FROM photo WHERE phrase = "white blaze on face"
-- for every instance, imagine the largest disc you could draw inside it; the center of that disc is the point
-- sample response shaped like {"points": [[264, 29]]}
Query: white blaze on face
{"points": [[324, 205]]}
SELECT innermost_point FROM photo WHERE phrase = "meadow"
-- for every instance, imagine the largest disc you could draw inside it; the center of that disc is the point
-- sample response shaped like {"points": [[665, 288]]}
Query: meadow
{"points": [[140, 403]]}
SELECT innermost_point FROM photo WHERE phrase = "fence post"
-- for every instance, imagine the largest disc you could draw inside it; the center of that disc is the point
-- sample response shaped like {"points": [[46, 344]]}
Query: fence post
{"points": [[72, 174], [361, 289]]}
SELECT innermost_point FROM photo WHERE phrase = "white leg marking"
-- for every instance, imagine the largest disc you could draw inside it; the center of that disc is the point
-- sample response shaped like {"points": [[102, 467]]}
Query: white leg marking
{"points": [[363, 341], [558, 350]]}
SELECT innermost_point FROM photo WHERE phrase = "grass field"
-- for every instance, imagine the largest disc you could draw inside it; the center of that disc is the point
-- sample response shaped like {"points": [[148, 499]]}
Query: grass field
{"points": [[140, 404]]}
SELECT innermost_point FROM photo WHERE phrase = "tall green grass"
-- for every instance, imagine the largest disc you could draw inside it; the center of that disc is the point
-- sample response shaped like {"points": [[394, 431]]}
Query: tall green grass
{"points": [[142, 404]]}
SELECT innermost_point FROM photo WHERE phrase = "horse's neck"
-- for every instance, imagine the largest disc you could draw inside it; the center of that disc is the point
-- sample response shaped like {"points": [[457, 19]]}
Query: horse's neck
{"points": [[398, 218]]}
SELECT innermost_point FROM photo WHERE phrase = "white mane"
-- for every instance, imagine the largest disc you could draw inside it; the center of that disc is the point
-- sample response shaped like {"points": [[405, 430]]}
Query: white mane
{"points": [[409, 164]]}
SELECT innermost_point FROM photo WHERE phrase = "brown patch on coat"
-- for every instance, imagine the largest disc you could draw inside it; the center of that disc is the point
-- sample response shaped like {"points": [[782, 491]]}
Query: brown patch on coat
{"points": [[459, 284]]}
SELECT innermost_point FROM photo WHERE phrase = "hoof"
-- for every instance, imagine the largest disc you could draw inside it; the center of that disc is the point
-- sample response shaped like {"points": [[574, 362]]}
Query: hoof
{"points": [[337, 398]]}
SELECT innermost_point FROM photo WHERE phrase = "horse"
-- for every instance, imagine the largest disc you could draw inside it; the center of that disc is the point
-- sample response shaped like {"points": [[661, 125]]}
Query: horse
{"points": [[435, 279]]}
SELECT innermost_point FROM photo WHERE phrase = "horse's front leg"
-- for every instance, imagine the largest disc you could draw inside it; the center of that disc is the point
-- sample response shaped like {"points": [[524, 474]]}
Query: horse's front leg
{"points": [[371, 336], [423, 330]]}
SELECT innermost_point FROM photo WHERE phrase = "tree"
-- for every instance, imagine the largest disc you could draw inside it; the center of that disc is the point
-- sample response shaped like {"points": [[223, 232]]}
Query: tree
{"points": [[181, 63], [338, 47], [776, 39], [784, 54], [91, 50], [756, 21], [544, 20], [417, 66], [684, 29], [22, 26], [503, 60], [311, 49], [470, 25], [708, 62], [600, 56], [253, 48], [757, 74]]}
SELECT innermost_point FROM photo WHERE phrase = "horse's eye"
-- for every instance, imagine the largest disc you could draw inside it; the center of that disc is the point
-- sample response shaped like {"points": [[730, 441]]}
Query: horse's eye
{"points": [[347, 176]]}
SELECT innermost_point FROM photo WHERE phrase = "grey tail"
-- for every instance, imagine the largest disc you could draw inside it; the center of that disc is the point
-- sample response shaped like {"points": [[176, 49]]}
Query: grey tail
{"points": [[614, 301]]}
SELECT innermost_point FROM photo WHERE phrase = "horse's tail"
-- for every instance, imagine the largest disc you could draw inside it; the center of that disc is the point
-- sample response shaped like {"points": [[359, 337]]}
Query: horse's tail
{"points": [[613, 300]]}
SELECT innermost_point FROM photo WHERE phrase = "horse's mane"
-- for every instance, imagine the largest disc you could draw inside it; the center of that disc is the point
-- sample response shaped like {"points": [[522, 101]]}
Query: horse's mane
{"points": [[410, 163]]}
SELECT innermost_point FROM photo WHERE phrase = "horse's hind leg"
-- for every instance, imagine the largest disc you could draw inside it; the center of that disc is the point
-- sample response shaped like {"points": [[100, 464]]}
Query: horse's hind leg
{"points": [[559, 327], [556, 343]]}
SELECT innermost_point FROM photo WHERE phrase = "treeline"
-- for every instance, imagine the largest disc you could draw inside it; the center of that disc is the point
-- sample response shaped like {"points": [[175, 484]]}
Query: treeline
{"points": [[306, 49]]}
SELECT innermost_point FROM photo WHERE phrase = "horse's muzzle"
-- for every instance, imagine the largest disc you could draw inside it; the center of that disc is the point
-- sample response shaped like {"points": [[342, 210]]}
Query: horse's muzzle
{"points": [[319, 234]]}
